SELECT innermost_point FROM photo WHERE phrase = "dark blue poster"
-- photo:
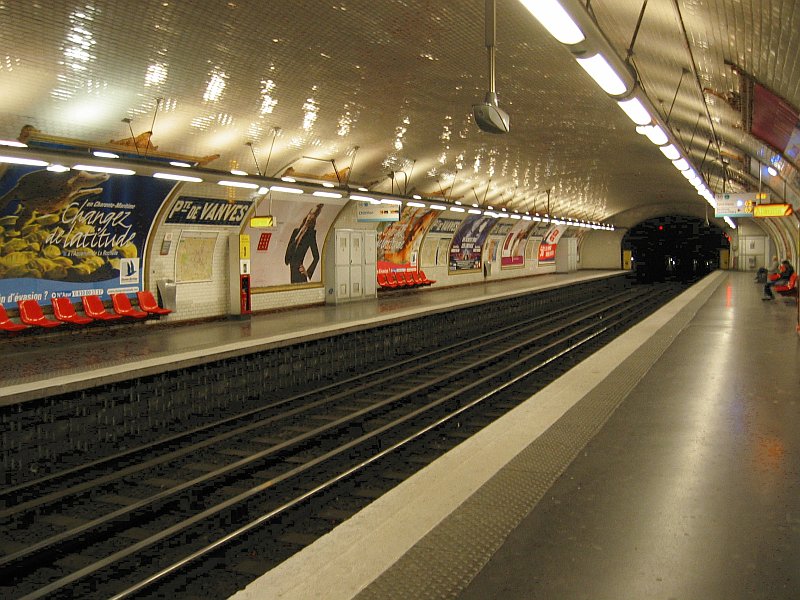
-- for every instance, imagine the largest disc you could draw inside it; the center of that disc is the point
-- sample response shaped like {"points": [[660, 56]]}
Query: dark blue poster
{"points": [[73, 233]]}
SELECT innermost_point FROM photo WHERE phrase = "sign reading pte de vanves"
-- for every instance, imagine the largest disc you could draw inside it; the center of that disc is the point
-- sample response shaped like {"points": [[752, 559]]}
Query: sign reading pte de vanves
{"points": [[207, 211], [772, 210]]}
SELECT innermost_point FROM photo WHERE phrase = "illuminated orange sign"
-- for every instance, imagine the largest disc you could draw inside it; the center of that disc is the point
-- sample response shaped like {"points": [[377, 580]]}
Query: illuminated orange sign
{"points": [[772, 210]]}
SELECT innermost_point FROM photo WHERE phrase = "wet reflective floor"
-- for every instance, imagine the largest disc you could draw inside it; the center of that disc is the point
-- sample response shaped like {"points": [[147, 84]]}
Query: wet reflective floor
{"points": [[692, 488]]}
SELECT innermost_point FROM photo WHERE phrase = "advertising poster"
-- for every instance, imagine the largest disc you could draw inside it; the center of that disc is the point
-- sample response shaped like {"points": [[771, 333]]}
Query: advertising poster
{"points": [[514, 244], [397, 242], [291, 252], [547, 248], [467, 244], [73, 233]]}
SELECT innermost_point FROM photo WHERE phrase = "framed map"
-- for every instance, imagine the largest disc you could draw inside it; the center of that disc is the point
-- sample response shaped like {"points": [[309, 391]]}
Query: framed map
{"points": [[194, 256]]}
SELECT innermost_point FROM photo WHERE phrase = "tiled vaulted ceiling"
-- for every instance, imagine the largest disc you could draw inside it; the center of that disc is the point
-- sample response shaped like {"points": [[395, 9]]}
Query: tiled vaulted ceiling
{"points": [[387, 85]]}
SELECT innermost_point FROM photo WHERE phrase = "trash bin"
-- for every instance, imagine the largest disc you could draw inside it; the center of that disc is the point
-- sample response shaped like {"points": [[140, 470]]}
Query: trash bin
{"points": [[167, 292]]}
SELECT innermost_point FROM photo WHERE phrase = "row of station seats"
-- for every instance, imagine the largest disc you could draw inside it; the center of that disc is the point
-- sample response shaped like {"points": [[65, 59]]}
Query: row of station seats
{"points": [[32, 315], [401, 279]]}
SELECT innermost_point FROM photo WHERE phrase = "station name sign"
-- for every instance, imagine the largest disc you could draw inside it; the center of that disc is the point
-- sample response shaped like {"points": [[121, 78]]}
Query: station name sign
{"points": [[772, 210]]}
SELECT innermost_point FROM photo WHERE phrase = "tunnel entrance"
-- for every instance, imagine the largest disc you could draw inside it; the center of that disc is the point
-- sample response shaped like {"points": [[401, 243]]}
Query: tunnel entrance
{"points": [[674, 248]]}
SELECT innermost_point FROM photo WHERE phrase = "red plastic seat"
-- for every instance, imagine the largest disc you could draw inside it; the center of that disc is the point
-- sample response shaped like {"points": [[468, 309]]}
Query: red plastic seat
{"points": [[31, 313], [6, 324], [392, 279], [425, 278], [384, 282], [122, 306], [147, 303], [790, 289], [93, 307], [417, 279], [64, 310]]}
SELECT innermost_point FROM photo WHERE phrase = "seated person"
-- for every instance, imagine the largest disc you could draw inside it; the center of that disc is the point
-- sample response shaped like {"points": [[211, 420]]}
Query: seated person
{"points": [[762, 275], [785, 271]]}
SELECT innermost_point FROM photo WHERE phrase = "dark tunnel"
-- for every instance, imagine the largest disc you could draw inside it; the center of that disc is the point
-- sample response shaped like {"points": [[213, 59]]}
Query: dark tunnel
{"points": [[674, 248]]}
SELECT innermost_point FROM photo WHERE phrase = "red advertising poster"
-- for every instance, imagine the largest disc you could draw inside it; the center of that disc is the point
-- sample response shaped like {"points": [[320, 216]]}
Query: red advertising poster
{"points": [[398, 242], [514, 245], [547, 249], [291, 252]]}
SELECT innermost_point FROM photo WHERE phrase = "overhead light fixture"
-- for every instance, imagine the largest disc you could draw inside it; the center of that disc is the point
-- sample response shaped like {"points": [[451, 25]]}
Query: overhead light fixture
{"points": [[671, 152], [654, 133], [239, 184], [262, 190], [474, 211], [23, 161], [102, 154], [681, 164], [415, 196], [176, 177], [391, 201], [13, 144], [457, 209], [604, 75], [328, 194], [327, 184], [438, 207], [99, 169], [289, 179], [362, 198], [239, 172], [288, 190], [555, 19], [178, 163], [58, 169], [415, 204], [772, 171], [637, 113], [363, 189]]}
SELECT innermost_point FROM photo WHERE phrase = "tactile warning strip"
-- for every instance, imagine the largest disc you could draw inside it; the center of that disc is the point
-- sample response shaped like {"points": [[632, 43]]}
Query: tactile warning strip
{"points": [[443, 563]]}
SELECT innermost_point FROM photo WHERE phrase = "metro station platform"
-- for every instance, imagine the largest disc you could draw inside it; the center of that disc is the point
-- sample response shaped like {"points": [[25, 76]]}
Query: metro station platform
{"points": [[46, 363], [666, 465]]}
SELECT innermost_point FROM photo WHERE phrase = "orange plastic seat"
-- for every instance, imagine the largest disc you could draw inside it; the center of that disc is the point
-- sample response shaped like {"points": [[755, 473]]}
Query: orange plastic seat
{"points": [[123, 307], [31, 313], [93, 307], [148, 304], [6, 324], [64, 310]]}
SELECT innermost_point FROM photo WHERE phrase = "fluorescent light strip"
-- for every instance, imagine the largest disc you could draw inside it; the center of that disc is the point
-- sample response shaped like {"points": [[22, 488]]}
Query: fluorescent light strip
{"points": [[517, 217], [681, 164], [555, 19], [637, 112], [526, 218], [175, 177], [474, 211], [655, 134], [111, 170], [457, 209], [671, 152], [13, 144], [289, 179], [101, 154], [58, 169], [239, 172], [328, 185], [416, 204], [363, 198], [23, 161], [328, 194], [391, 201], [239, 184], [604, 75], [288, 190], [177, 163], [438, 207]]}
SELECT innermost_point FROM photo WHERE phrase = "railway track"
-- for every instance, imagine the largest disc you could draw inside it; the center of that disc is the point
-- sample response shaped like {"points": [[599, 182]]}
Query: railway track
{"points": [[160, 516]]}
